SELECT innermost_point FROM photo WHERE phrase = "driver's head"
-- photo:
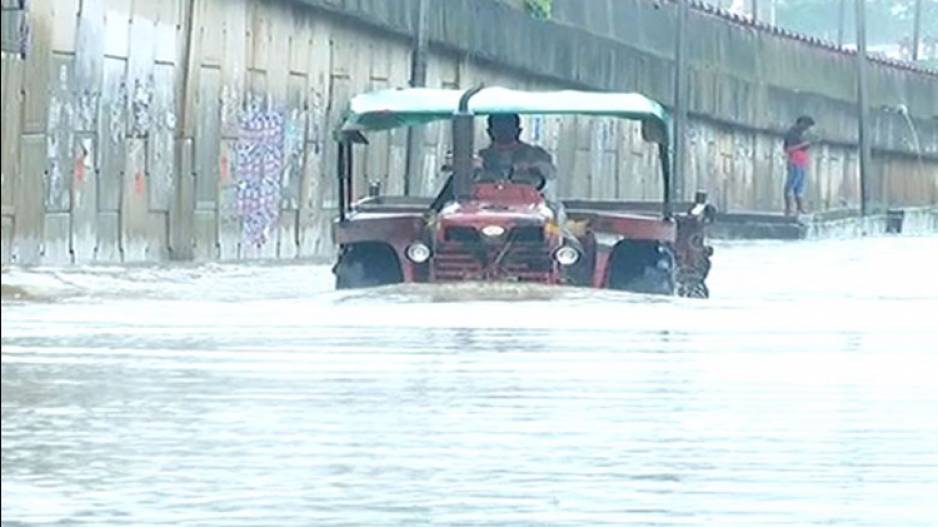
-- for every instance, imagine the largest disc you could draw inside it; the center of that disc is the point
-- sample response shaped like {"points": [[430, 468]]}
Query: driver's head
{"points": [[504, 127]]}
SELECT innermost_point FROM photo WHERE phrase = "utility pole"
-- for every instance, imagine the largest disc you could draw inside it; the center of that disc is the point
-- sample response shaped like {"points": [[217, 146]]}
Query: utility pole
{"points": [[755, 10], [840, 23], [862, 109], [680, 101], [418, 78], [182, 213], [917, 31]]}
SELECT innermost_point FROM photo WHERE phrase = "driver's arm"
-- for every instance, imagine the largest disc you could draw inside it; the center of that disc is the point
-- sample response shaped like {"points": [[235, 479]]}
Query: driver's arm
{"points": [[542, 162]]}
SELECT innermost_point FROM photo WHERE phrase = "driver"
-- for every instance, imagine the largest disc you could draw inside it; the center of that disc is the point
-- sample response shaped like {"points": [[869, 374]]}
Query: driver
{"points": [[511, 158]]}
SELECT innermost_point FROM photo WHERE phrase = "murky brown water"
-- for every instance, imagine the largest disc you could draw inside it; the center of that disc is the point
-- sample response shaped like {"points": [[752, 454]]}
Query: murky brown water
{"points": [[803, 393]]}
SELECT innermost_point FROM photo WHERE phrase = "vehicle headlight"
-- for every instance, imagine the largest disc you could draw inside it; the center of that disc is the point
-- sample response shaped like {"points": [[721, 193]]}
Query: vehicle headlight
{"points": [[418, 252], [664, 259], [567, 255], [493, 231]]}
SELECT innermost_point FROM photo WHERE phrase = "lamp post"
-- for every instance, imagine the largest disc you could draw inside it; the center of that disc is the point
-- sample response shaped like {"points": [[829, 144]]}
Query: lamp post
{"points": [[862, 110], [842, 14], [917, 30], [680, 101]]}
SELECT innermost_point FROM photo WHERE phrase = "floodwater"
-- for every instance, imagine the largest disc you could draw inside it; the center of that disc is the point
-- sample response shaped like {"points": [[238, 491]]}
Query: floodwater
{"points": [[803, 393]]}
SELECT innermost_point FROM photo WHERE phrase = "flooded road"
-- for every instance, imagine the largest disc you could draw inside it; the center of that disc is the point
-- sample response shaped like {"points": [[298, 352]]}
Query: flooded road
{"points": [[803, 393]]}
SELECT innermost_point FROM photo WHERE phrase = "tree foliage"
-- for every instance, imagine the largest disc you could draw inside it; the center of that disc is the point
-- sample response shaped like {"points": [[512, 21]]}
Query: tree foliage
{"points": [[539, 8], [888, 21]]}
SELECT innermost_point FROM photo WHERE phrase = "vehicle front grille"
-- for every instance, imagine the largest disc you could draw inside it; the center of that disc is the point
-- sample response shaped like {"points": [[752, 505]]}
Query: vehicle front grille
{"points": [[525, 234], [523, 262], [462, 234]]}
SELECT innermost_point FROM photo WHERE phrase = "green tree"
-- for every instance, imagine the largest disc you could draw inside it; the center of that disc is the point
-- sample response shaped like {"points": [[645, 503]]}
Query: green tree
{"points": [[888, 21], [539, 8]]}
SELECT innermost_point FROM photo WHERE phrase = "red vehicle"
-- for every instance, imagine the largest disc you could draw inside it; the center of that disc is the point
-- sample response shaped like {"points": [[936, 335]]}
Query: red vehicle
{"points": [[499, 227]]}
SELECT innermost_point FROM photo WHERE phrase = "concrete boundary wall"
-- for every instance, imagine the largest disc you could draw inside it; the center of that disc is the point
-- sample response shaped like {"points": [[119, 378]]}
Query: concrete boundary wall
{"points": [[156, 129]]}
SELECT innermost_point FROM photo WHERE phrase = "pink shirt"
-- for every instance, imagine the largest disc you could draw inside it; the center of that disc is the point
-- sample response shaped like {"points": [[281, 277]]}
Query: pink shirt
{"points": [[798, 157], [794, 137]]}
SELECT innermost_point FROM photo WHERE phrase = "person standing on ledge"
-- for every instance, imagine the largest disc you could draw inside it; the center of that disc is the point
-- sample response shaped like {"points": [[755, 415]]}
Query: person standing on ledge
{"points": [[796, 150]]}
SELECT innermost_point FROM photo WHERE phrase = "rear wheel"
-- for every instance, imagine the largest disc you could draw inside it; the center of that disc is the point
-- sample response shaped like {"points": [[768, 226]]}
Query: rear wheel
{"points": [[642, 267], [696, 289], [367, 265], [693, 266]]}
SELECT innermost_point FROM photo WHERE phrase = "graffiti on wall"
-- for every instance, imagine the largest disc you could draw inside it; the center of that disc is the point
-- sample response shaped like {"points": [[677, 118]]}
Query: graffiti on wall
{"points": [[316, 118], [59, 142], [115, 110], [258, 163], [84, 159], [266, 161]]}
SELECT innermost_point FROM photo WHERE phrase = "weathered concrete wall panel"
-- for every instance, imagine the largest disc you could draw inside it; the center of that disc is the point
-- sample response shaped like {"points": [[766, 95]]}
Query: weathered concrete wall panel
{"points": [[11, 93], [37, 67], [111, 134], [28, 222]]}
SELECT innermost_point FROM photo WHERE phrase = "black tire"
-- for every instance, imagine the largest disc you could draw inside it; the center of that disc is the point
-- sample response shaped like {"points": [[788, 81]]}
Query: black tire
{"points": [[642, 267], [692, 273], [367, 265]]}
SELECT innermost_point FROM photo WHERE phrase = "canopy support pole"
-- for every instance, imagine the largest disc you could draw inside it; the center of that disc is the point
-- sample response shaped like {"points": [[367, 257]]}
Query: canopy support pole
{"points": [[340, 175], [463, 147], [666, 207], [418, 78]]}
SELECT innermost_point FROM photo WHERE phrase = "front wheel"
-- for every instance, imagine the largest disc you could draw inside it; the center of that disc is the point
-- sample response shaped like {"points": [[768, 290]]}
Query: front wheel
{"points": [[695, 289], [642, 267], [693, 266], [367, 265]]}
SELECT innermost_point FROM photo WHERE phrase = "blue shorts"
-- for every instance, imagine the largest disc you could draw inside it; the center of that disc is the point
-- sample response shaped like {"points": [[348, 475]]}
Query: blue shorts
{"points": [[794, 183]]}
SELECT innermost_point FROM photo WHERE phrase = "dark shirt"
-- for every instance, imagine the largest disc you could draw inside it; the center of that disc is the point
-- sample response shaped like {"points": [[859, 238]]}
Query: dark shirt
{"points": [[501, 158], [793, 137]]}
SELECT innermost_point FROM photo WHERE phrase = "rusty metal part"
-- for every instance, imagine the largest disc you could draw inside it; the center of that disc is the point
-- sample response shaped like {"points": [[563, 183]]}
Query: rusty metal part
{"points": [[693, 257]]}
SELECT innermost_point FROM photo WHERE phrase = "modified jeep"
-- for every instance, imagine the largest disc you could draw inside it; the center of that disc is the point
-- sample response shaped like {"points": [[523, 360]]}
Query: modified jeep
{"points": [[497, 227]]}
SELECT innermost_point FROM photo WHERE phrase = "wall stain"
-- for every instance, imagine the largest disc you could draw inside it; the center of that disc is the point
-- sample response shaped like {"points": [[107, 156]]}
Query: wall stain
{"points": [[86, 109], [84, 157], [317, 116], [117, 129], [141, 101]]}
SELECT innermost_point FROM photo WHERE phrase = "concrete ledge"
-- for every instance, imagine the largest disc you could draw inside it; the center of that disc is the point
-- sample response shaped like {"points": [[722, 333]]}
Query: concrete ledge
{"points": [[755, 226], [920, 220], [830, 224]]}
